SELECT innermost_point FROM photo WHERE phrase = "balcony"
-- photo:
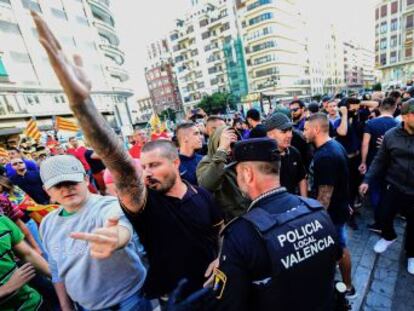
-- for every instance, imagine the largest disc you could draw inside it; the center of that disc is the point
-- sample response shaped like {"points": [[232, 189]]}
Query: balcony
{"points": [[118, 72], [100, 7], [107, 31], [114, 52]]}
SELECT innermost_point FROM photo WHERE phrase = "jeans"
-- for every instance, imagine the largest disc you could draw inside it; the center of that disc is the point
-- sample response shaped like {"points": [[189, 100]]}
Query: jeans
{"points": [[375, 197], [392, 202], [133, 303]]}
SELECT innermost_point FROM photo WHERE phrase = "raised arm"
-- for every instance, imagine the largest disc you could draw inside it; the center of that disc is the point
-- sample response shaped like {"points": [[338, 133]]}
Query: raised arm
{"points": [[128, 181]]}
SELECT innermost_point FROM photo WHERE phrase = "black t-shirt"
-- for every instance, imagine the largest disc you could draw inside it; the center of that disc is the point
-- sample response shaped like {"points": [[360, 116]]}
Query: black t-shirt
{"points": [[292, 170], [96, 165], [258, 131], [330, 167], [305, 149], [180, 237]]}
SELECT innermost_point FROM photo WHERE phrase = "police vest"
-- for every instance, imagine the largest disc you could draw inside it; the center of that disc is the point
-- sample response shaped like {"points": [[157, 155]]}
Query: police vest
{"points": [[303, 248]]}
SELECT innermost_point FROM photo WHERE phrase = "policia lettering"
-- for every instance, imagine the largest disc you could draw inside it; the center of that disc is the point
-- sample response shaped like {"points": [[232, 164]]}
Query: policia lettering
{"points": [[304, 243]]}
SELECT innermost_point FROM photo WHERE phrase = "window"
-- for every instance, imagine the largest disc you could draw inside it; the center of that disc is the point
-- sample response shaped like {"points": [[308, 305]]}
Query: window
{"points": [[225, 27], [393, 41], [410, 2], [8, 27], [409, 21], [31, 5], [257, 4], [260, 18], [59, 14], [393, 57], [265, 45], [174, 36], [204, 22], [383, 28], [205, 35], [384, 10], [82, 20], [266, 72], [18, 57], [383, 59], [5, 1], [3, 72], [394, 7], [383, 44], [408, 52], [394, 24], [377, 14]]}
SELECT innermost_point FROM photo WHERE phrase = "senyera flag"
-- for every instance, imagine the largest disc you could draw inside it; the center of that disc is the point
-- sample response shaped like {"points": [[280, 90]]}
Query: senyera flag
{"points": [[66, 125], [32, 130]]}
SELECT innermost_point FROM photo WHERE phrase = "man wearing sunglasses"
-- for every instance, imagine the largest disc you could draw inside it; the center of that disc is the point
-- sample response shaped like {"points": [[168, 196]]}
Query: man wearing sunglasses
{"points": [[297, 110], [107, 276], [29, 181]]}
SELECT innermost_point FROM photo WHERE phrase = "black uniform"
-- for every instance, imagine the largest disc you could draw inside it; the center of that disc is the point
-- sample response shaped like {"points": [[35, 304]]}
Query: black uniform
{"points": [[281, 255]]}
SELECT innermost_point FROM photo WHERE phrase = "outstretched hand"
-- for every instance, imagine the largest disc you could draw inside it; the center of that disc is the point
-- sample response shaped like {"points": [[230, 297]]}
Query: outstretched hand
{"points": [[73, 80], [103, 241]]}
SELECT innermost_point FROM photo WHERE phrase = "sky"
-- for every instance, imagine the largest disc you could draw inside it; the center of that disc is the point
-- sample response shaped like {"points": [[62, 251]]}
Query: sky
{"points": [[139, 22]]}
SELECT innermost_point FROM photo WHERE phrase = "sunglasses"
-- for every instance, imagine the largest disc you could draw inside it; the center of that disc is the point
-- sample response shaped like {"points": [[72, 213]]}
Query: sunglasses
{"points": [[17, 163], [294, 109]]}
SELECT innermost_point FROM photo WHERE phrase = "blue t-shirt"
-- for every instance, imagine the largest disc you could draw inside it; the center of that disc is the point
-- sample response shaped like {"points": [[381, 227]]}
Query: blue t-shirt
{"points": [[330, 167], [30, 166], [376, 128], [32, 185], [188, 167]]}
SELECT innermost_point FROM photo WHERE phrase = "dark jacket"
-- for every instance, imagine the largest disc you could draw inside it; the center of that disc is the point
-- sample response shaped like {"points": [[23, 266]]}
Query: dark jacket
{"points": [[395, 160], [212, 176]]}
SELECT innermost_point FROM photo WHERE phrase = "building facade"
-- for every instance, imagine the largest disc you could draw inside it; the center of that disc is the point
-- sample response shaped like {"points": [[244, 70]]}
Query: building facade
{"points": [[276, 47], [143, 109], [28, 86], [207, 52], [160, 77], [394, 41]]}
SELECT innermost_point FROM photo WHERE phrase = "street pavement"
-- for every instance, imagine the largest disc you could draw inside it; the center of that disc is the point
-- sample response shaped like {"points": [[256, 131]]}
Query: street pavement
{"points": [[382, 281]]}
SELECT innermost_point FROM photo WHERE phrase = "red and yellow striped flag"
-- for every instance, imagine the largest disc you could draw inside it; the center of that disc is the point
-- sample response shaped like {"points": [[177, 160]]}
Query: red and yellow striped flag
{"points": [[66, 125], [3, 153], [32, 130]]}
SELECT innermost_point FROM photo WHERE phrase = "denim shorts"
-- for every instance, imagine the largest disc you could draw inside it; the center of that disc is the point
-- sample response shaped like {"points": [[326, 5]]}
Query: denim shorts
{"points": [[342, 235]]}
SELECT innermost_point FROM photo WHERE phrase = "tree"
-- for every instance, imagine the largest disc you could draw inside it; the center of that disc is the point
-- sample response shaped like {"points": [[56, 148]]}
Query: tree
{"points": [[168, 114], [377, 87], [217, 102]]}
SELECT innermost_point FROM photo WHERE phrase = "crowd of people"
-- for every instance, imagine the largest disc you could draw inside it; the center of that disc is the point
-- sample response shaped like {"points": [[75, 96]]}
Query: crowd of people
{"points": [[251, 212]]}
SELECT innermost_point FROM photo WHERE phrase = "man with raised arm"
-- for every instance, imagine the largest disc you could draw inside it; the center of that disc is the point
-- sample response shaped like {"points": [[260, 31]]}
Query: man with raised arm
{"points": [[177, 223]]}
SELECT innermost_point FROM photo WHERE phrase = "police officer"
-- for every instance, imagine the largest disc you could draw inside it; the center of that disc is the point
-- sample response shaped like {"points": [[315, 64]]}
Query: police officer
{"points": [[281, 254]]}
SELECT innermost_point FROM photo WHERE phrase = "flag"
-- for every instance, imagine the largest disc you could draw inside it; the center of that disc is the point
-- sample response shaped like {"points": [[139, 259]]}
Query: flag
{"points": [[32, 130], [3, 153], [154, 121], [66, 125]]}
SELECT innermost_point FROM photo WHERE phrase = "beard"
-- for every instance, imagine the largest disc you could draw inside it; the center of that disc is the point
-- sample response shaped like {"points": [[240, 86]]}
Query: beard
{"points": [[162, 187], [297, 118]]}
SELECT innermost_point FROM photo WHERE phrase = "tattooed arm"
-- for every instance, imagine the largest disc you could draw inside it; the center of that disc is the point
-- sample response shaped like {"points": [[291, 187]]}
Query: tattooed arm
{"points": [[325, 195], [129, 182]]}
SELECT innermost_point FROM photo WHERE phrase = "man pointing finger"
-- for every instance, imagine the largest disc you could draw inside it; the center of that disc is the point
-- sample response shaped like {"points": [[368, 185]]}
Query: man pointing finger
{"points": [[90, 246]]}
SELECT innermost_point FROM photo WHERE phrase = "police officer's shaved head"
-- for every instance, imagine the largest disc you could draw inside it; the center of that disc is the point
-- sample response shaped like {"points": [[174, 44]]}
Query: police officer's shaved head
{"points": [[167, 149], [320, 119]]}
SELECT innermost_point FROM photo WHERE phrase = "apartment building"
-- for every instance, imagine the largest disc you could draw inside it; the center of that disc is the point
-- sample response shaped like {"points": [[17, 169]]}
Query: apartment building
{"points": [[208, 52], [29, 88], [394, 42], [276, 47], [160, 77]]}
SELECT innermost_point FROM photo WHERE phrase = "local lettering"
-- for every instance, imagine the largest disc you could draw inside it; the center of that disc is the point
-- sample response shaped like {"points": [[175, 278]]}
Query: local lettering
{"points": [[307, 252], [298, 234]]}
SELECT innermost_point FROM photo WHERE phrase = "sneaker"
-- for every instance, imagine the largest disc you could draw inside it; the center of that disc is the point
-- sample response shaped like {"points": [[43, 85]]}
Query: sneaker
{"points": [[375, 228], [351, 293], [382, 245], [410, 266]]}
